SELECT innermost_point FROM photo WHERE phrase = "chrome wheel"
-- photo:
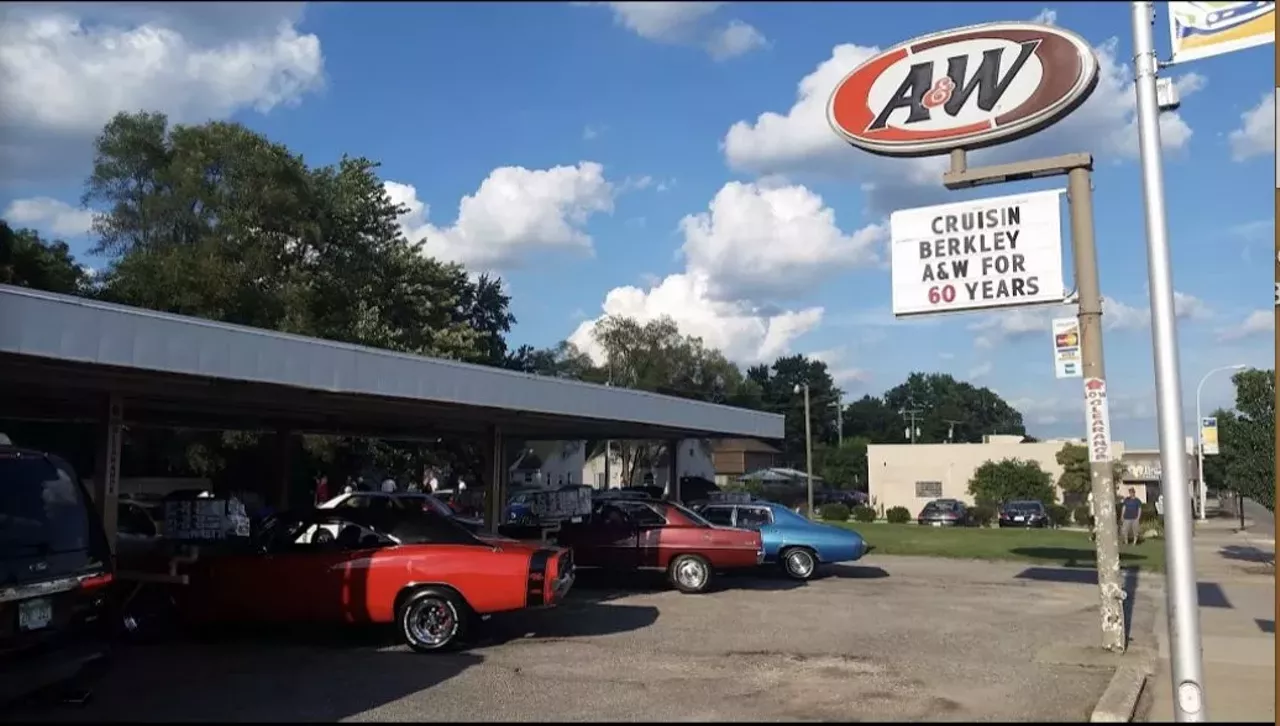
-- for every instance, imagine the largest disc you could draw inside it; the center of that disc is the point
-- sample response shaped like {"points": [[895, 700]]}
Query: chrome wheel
{"points": [[430, 622], [690, 574], [799, 564]]}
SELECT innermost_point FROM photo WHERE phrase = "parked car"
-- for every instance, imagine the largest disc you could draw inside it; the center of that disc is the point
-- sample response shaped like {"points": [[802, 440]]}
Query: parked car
{"points": [[55, 571], [419, 571], [790, 540], [630, 534], [945, 513], [1028, 513], [413, 501]]}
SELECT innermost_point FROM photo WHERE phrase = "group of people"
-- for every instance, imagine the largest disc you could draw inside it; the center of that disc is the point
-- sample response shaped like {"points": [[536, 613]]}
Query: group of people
{"points": [[389, 485]]}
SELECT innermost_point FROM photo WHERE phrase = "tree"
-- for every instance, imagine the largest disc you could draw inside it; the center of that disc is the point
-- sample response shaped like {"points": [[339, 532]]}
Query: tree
{"points": [[26, 260], [1076, 481], [656, 356], [219, 222], [871, 418], [951, 410], [1247, 438], [777, 385], [995, 483], [842, 467]]}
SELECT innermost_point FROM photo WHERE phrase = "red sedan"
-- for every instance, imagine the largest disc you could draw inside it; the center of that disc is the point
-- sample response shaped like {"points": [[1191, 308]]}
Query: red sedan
{"points": [[421, 572], [630, 534]]}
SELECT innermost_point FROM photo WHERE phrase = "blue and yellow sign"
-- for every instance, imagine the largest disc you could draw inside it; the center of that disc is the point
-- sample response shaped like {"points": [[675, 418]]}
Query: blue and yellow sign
{"points": [[1203, 29]]}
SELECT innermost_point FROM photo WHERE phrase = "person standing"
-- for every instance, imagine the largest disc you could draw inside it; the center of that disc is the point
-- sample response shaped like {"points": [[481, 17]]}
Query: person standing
{"points": [[388, 486], [1131, 518], [322, 489]]}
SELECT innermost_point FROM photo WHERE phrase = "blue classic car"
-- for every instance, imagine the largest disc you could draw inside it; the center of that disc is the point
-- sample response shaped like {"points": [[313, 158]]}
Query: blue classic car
{"points": [[796, 543]]}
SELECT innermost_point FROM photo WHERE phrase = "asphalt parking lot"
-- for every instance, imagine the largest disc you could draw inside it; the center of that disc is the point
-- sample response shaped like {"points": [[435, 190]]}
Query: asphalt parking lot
{"points": [[889, 639]]}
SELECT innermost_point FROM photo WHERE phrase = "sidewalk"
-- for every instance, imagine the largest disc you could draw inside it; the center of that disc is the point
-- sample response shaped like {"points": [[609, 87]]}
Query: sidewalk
{"points": [[1237, 628]]}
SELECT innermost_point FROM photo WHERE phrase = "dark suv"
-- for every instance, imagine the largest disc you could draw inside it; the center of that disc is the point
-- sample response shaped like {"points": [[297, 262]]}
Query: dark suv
{"points": [[55, 569]]}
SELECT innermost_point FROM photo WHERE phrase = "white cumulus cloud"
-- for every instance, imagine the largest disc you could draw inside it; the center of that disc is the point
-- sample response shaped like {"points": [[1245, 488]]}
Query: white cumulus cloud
{"points": [[50, 216], [743, 332], [799, 141], [65, 69], [516, 212], [755, 244], [760, 241], [1257, 133], [686, 23], [1258, 322]]}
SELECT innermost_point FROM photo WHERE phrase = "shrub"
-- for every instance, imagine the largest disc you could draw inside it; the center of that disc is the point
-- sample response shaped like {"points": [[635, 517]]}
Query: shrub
{"points": [[1081, 514], [1058, 515], [898, 515], [864, 514], [982, 516], [834, 512], [1150, 518]]}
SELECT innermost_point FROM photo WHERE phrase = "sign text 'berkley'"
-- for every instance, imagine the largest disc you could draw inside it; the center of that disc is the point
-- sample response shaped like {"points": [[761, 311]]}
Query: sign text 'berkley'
{"points": [[964, 88]]}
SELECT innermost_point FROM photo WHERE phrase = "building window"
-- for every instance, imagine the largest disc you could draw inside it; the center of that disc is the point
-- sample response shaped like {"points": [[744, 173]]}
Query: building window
{"points": [[928, 489]]}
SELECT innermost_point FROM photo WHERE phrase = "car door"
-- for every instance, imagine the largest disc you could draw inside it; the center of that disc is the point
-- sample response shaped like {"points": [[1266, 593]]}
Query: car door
{"points": [[761, 520], [607, 540], [648, 525]]}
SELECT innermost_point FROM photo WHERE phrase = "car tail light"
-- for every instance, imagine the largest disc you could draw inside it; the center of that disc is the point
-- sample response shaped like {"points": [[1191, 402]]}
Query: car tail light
{"points": [[95, 582]]}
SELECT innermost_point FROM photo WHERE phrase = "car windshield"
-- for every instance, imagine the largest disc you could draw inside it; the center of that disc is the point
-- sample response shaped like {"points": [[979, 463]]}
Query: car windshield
{"points": [[42, 511], [940, 507]]}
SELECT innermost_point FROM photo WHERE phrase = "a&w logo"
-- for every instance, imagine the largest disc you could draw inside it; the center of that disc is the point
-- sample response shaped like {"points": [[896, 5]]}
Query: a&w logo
{"points": [[964, 88], [920, 94]]}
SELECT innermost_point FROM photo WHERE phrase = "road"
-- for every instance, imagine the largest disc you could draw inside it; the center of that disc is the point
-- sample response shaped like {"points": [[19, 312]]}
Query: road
{"points": [[896, 638]]}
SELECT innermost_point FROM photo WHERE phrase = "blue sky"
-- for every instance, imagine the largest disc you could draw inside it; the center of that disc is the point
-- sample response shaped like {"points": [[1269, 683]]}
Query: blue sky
{"points": [[654, 158]]}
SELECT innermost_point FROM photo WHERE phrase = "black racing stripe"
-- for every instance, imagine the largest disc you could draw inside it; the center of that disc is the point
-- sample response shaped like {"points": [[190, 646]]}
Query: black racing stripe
{"points": [[536, 592]]}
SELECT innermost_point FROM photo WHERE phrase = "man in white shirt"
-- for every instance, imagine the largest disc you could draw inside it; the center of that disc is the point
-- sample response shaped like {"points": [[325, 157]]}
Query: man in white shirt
{"points": [[389, 486]]}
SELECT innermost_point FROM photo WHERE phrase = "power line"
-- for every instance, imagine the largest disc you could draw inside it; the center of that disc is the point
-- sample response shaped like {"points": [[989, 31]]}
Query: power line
{"points": [[912, 415]]}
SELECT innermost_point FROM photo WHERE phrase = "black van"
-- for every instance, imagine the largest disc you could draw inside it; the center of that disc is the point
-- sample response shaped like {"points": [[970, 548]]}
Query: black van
{"points": [[55, 573]]}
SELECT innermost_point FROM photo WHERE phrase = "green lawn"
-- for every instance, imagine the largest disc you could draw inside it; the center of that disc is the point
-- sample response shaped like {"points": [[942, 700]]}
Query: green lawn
{"points": [[1046, 546]]}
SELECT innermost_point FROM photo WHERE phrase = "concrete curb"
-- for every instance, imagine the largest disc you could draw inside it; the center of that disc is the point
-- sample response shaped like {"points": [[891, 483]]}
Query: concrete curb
{"points": [[1120, 699]]}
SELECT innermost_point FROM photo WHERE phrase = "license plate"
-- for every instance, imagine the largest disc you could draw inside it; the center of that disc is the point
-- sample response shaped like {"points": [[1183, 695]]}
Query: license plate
{"points": [[35, 614], [1019, 519], [937, 523]]}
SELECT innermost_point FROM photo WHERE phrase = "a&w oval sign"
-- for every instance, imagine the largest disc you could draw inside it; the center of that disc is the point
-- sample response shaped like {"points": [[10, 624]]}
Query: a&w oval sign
{"points": [[964, 88]]}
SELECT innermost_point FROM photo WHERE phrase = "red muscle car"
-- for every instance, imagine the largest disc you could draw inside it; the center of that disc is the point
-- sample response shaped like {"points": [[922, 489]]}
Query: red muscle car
{"points": [[423, 573], [645, 534]]}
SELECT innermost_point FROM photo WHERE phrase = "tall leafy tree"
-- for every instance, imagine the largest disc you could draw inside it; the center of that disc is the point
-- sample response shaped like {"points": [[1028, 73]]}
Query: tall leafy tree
{"points": [[843, 467], [778, 384], [26, 260], [1007, 480], [951, 410], [1247, 453]]}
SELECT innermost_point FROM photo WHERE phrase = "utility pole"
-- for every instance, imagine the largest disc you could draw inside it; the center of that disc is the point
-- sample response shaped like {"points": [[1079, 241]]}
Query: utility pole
{"points": [[951, 429], [1078, 170], [808, 444], [1180, 577], [839, 405], [912, 416]]}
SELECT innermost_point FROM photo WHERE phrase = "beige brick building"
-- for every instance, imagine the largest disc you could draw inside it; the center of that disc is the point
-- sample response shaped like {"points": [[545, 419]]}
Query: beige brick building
{"points": [[910, 475]]}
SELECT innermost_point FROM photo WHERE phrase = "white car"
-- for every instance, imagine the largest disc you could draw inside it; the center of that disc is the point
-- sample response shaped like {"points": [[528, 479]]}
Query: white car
{"points": [[383, 500]]}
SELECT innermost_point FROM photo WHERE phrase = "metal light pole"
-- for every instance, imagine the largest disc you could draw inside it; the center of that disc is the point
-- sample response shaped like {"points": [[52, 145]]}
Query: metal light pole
{"points": [[808, 444], [1200, 434], [839, 406], [1183, 600]]}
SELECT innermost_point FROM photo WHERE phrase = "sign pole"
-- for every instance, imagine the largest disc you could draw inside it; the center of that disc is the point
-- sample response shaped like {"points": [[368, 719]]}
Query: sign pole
{"points": [[1183, 600], [1098, 438], [1077, 168]]}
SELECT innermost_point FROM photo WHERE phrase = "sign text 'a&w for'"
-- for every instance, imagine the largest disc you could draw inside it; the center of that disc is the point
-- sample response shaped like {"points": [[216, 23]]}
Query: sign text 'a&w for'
{"points": [[989, 253]]}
